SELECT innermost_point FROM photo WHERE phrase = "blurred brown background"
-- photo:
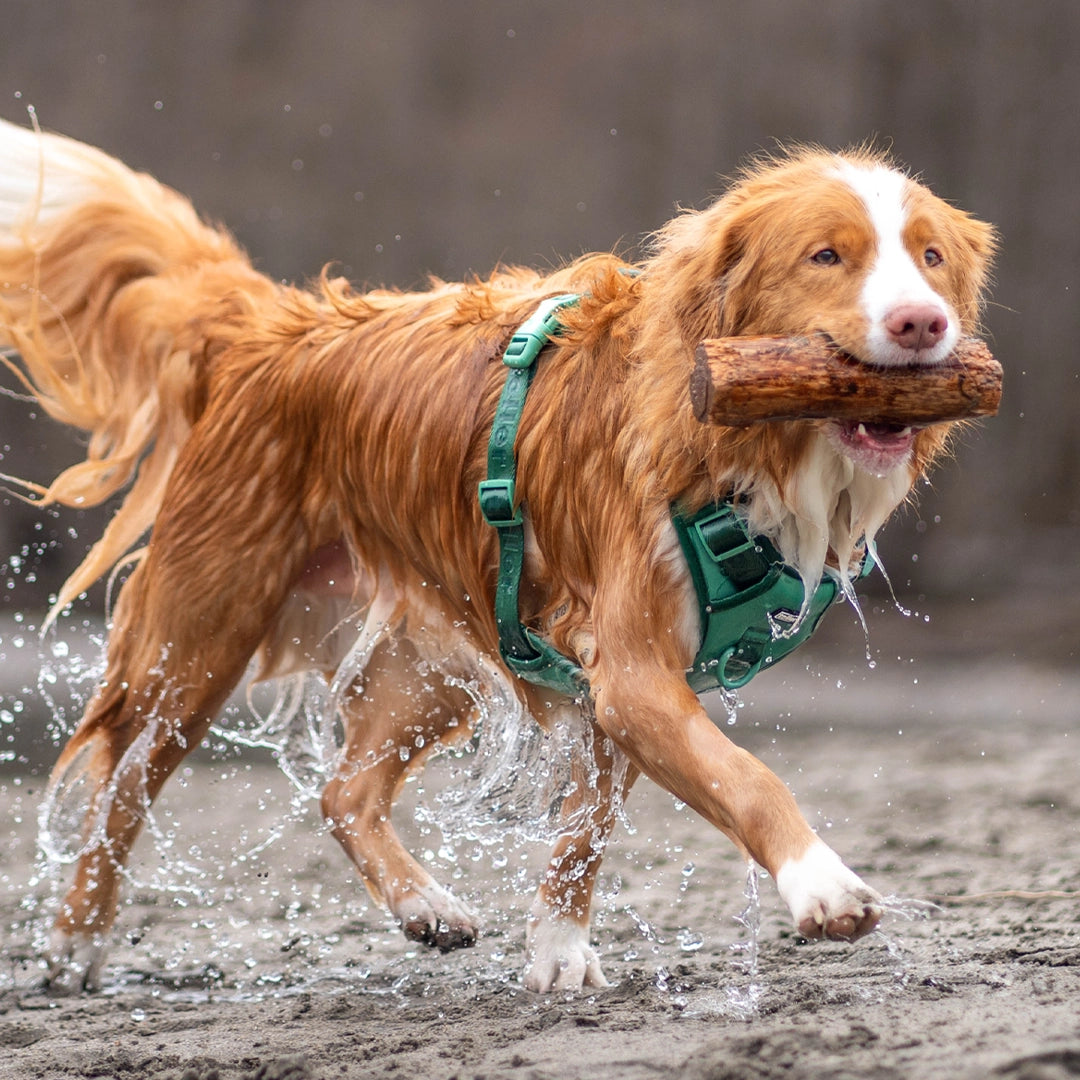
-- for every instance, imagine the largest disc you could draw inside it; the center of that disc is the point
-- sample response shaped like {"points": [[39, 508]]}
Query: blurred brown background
{"points": [[406, 138]]}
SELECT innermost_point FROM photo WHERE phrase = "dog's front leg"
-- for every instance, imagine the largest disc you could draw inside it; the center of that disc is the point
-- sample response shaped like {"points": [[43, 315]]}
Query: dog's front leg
{"points": [[654, 716], [558, 954]]}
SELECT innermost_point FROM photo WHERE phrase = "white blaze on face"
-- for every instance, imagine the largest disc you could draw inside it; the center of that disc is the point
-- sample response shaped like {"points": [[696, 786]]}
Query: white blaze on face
{"points": [[895, 281]]}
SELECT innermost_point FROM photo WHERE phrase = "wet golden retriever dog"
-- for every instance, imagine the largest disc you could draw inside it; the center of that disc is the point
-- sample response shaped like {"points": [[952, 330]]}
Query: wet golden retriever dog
{"points": [[307, 464]]}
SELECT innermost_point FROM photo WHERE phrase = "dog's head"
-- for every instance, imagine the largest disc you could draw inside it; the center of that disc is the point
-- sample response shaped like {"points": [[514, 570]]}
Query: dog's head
{"points": [[844, 245]]}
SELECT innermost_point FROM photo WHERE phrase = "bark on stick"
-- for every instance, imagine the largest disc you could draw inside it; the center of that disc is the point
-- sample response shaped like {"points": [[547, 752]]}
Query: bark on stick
{"points": [[739, 381]]}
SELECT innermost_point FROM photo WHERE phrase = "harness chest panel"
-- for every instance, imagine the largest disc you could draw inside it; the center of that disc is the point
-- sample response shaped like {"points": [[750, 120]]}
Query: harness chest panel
{"points": [[753, 607]]}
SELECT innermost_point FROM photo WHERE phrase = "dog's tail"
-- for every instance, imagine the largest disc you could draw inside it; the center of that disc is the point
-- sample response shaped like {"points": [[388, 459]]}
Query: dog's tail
{"points": [[114, 299]]}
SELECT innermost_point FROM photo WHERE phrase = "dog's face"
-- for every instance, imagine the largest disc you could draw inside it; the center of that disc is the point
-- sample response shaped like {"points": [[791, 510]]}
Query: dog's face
{"points": [[848, 247], [842, 245], [872, 260]]}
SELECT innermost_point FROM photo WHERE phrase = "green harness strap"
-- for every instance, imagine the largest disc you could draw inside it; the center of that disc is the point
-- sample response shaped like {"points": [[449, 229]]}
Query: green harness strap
{"points": [[525, 652], [749, 600]]}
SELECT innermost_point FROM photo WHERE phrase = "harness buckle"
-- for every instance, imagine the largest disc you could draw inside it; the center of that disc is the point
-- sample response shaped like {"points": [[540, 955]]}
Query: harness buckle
{"points": [[521, 352], [536, 332], [497, 503], [724, 538]]}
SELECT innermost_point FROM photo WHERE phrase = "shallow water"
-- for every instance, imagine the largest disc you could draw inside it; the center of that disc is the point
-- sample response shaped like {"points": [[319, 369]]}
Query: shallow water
{"points": [[252, 948]]}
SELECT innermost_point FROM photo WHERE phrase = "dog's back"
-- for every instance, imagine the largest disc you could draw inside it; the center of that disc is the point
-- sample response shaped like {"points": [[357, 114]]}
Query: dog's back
{"points": [[133, 317]]}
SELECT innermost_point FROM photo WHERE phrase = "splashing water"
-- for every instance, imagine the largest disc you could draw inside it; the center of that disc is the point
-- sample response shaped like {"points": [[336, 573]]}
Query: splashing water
{"points": [[871, 546], [846, 585], [742, 1000], [910, 910], [512, 776], [71, 664], [302, 727], [512, 783], [847, 590], [520, 779]]}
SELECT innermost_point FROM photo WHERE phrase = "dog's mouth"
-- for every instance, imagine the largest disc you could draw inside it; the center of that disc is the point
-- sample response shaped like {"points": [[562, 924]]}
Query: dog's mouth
{"points": [[874, 447]]}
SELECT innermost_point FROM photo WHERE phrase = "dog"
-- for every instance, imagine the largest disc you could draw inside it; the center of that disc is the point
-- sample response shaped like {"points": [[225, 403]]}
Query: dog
{"points": [[299, 455]]}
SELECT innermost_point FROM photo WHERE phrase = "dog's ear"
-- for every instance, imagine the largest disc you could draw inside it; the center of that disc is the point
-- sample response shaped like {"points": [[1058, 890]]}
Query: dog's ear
{"points": [[697, 263], [977, 242]]}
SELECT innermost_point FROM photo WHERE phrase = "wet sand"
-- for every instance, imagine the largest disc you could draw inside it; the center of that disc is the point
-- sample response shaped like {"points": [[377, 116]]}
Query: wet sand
{"points": [[240, 955]]}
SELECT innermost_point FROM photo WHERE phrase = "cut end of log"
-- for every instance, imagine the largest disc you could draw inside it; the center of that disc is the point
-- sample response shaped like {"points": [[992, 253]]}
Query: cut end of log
{"points": [[741, 381], [701, 385]]}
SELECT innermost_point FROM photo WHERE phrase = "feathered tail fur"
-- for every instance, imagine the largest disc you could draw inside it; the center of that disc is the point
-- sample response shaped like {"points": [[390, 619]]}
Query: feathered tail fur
{"points": [[114, 297]]}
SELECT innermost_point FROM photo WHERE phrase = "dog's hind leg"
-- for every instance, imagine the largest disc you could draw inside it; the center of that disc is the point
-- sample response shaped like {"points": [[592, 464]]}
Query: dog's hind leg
{"points": [[558, 955], [390, 726], [185, 626], [128, 743]]}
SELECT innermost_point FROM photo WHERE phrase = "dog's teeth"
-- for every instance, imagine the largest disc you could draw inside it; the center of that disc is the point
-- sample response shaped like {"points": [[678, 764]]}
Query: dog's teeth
{"points": [[861, 431], [906, 431]]}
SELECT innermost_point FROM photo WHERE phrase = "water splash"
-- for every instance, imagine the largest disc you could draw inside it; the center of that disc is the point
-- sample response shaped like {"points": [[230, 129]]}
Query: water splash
{"points": [[512, 777], [302, 726], [730, 701], [871, 546], [741, 1000], [513, 783], [518, 779], [847, 590], [71, 663], [910, 910], [650, 934]]}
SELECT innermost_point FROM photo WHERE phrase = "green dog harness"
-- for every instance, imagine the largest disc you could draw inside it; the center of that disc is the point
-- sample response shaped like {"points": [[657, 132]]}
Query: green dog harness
{"points": [[749, 600]]}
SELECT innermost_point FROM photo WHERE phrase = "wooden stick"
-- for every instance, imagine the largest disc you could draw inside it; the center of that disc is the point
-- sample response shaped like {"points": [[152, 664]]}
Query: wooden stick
{"points": [[739, 381]]}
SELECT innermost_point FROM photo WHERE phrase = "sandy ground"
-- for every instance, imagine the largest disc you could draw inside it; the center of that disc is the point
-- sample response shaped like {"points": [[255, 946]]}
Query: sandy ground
{"points": [[243, 953]]}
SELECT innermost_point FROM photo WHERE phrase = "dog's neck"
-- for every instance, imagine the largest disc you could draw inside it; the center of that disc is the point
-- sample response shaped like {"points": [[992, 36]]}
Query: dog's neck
{"points": [[795, 486]]}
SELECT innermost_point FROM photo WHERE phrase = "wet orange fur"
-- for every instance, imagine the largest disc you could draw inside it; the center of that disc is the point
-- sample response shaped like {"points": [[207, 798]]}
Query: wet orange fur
{"points": [[274, 424]]}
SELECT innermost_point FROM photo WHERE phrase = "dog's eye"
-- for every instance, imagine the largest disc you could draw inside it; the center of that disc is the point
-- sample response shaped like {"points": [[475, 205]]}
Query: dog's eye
{"points": [[825, 257], [932, 257]]}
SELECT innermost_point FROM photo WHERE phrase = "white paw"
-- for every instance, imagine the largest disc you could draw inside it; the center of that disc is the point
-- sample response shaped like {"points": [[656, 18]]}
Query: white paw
{"points": [[825, 898], [436, 917], [75, 962], [558, 955]]}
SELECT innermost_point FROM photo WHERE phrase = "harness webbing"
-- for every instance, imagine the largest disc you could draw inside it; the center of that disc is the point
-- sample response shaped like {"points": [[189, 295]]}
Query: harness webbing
{"points": [[749, 600], [751, 604], [525, 652]]}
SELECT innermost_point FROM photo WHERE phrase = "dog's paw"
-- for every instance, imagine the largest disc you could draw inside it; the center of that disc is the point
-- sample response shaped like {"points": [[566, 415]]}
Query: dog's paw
{"points": [[435, 916], [75, 962], [825, 898], [558, 955]]}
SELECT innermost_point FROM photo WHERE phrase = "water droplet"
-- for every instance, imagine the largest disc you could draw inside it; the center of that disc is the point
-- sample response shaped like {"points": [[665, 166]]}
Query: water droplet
{"points": [[689, 940]]}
